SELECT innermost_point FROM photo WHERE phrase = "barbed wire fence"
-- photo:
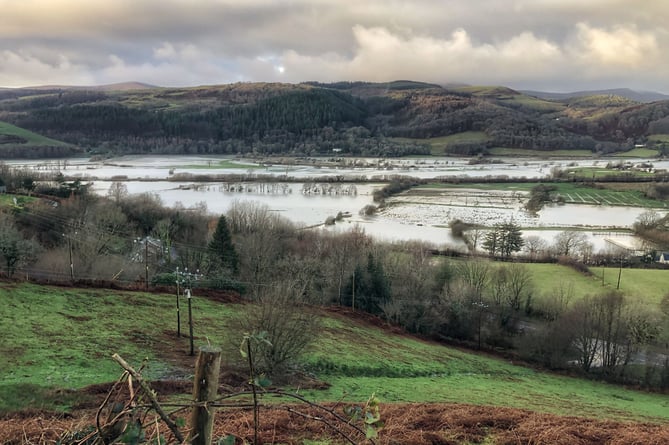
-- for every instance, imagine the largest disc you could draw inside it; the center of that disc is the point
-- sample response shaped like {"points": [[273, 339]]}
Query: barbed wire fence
{"points": [[131, 412]]}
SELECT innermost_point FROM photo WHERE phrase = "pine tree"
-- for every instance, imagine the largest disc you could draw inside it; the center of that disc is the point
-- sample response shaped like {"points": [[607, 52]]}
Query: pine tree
{"points": [[504, 239], [491, 241], [379, 289], [222, 250], [512, 238]]}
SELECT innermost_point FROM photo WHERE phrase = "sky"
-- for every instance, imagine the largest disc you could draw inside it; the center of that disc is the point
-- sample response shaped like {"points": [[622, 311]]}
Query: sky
{"points": [[549, 45]]}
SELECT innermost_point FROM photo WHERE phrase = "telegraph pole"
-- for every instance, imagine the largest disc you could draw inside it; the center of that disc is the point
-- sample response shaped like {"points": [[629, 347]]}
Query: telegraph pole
{"points": [[353, 292], [190, 320], [69, 249], [146, 262], [137, 241], [178, 311], [187, 281]]}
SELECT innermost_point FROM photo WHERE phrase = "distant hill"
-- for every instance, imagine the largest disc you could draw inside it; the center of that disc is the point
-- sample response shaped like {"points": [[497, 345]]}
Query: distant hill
{"points": [[122, 86], [350, 118], [637, 96]]}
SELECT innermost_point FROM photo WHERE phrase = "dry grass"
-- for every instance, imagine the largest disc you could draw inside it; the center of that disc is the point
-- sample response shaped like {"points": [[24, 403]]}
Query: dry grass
{"points": [[407, 424]]}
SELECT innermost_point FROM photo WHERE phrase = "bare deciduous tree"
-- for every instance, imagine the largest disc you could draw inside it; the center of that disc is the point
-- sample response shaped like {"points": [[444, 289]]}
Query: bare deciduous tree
{"points": [[570, 242], [535, 245], [117, 191], [288, 323]]}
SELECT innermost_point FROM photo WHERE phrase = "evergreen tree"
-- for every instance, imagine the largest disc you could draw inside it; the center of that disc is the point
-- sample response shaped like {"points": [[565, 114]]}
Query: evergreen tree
{"points": [[512, 239], [491, 241], [504, 239], [221, 248], [368, 286], [379, 291], [356, 288]]}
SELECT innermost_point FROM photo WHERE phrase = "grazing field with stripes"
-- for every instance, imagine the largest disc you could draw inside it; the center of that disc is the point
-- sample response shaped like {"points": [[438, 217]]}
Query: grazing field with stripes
{"points": [[574, 194]]}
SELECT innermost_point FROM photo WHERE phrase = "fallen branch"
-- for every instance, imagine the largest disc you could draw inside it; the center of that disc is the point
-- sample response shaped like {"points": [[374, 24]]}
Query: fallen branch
{"points": [[152, 397]]}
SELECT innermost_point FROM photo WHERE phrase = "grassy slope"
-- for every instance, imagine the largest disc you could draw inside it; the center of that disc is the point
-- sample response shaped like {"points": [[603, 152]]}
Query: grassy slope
{"points": [[641, 285], [60, 338], [405, 369], [439, 145], [31, 138]]}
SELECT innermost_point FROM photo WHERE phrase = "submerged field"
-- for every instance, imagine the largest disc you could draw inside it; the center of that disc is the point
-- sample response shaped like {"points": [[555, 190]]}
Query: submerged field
{"points": [[57, 340]]}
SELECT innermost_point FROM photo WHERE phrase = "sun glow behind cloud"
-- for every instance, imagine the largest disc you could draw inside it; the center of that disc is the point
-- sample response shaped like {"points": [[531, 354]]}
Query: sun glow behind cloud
{"points": [[177, 42]]}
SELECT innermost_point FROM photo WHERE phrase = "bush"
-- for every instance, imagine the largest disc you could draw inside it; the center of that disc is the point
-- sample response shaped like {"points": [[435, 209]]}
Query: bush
{"points": [[368, 210], [285, 323], [574, 264]]}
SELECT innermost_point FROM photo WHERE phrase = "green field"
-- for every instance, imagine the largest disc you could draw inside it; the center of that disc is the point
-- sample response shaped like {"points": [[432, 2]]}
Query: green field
{"points": [[29, 137], [577, 194], [7, 200], [57, 338], [588, 173], [640, 285], [659, 137], [502, 151], [573, 193], [439, 145], [639, 152]]}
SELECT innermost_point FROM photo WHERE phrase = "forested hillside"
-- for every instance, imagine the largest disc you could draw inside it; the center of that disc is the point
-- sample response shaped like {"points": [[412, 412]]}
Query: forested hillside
{"points": [[349, 118]]}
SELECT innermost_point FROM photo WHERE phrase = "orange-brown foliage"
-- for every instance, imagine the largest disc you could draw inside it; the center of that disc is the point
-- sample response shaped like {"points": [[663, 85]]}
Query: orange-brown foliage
{"points": [[406, 424]]}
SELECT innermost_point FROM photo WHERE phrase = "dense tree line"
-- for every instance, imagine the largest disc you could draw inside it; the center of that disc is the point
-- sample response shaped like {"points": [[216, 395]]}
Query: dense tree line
{"points": [[18, 151]]}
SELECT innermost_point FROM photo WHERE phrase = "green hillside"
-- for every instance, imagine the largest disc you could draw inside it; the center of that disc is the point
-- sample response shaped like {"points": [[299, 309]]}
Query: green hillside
{"points": [[56, 339], [14, 135], [351, 118], [21, 143]]}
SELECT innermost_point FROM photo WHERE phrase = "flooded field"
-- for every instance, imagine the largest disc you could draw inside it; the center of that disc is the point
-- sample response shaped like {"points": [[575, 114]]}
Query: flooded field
{"points": [[421, 213], [162, 167]]}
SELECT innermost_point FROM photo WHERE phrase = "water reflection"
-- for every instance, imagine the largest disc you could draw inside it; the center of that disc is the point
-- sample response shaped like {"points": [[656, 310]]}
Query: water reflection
{"points": [[424, 219]]}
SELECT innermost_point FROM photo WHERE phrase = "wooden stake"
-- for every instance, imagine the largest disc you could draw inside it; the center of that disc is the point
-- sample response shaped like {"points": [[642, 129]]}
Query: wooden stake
{"points": [[205, 387]]}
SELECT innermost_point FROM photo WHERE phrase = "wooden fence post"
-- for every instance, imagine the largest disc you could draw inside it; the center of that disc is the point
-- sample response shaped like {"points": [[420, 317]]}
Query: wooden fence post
{"points": [[205, 387]]}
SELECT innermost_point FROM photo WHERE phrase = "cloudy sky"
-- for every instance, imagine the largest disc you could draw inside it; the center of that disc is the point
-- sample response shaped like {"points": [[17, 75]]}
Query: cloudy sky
{"points": [[553, 45]]}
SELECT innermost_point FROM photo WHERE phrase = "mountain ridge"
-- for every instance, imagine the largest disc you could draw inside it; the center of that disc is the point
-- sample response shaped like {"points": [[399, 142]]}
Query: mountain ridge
{"points": [[352, 118], [119, 86], [638, 96]]}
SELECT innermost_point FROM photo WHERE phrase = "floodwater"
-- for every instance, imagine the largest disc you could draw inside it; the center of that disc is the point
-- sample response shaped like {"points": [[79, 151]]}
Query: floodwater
{"points": [[159, 167], [408, 216]]}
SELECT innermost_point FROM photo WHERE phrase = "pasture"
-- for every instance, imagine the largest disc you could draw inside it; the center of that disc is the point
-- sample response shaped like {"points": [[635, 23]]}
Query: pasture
{"points": [[59, 340], [523, 152], [27, 137], [439, 145], [572, 193]]}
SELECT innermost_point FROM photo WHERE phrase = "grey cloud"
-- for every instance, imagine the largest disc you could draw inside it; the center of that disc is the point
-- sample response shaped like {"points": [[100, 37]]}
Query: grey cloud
{"points": [[558, 44]]}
